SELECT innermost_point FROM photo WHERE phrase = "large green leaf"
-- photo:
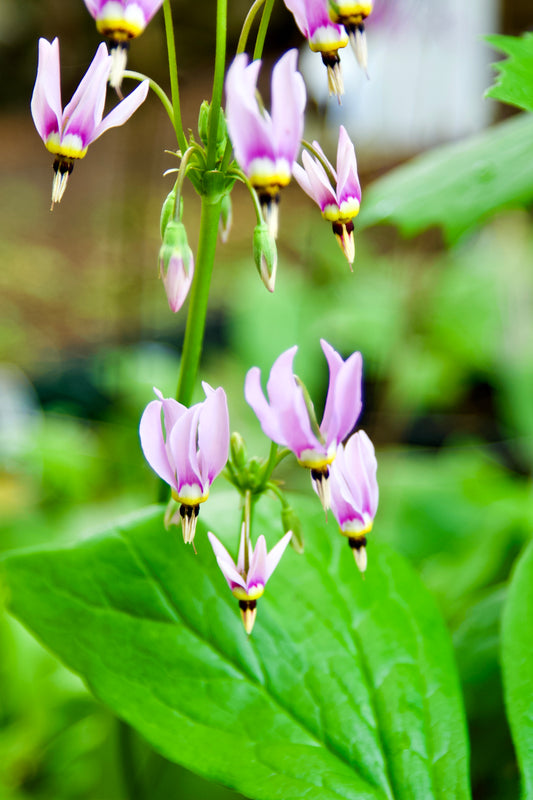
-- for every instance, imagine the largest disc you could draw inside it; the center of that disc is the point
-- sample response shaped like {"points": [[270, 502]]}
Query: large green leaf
{"points": [[346, 689], [517, 658], [515, 80], [456, 186]]}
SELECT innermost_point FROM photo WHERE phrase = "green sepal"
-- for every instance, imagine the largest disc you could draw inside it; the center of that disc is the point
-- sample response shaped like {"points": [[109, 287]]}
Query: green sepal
{"points": [[265, 255], [203, 130], [167, 211]]}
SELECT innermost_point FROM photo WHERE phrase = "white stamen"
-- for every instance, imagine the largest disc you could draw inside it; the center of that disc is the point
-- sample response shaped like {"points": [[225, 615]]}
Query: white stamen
{"points": [[59, 184], [335, 81], [359, 46], [119, 59], [359, 554]]}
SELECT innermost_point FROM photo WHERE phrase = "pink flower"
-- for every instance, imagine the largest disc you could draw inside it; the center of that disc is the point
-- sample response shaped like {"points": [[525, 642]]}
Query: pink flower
{"points": [[323, 35], [68, 133], [336, 192], [120, 21], [187, 448], [266, 146], [355, 493], [288, 419], [352, 15], [248, 584]]}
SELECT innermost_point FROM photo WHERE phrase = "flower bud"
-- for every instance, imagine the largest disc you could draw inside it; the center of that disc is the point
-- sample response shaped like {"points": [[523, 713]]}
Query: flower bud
{"points": [[167, 211], [203, 129], [176, 264], [291, 522], [238, 452], [265, 255], [226, 218]]}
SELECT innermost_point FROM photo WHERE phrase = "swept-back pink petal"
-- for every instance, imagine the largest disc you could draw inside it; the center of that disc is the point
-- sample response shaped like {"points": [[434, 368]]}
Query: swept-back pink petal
{"points": [[274, 557], [183, 447], [299, 9], [348, 185], [226, 563], [344, 398], [149, 7], [94, 6], [288, 104], [319, 188], [257, 569], [153, 443], [123, 111], [84, 111], [172, 411], [360, 468], [46, 98], [249, 129], [213, 433], [255, 398]]}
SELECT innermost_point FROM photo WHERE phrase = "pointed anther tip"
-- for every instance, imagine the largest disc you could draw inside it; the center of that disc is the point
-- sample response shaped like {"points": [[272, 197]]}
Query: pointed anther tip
{"points": [[358, 547], [248, 609]]}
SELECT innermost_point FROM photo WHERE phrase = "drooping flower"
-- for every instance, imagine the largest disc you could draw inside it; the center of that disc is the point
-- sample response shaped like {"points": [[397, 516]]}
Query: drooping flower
{"points": [[68, 133], [247, 581], [323, 35], [265, 146], [288, 416], [352, 15], [355, 493], [187, 448], [176, 264], [340, 202], [121, 21]]}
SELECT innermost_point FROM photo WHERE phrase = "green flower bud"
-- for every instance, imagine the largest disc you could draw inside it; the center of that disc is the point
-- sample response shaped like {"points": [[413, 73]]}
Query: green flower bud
{"points": [[291, 522], [176, 264], [203, 129], [265, 255], [238, 452], [167, 211], [226, 218]]}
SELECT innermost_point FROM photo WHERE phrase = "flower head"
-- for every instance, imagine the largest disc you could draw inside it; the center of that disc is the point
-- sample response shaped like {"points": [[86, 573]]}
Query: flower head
{"points": [[323, 35], [248, 577], [68, 132], [176, 264], [187, 448], [339, 203], [355, 493], [352, 15], [266, 146], [120, 21], [288, 416]]}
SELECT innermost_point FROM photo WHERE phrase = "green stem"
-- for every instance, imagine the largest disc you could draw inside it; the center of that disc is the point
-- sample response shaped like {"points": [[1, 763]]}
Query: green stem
{"points": [[247, 25], [263, 27], [247, 522], [155, 87], [218, 82], [194, 332], [320, 157], [173, 72], [257, 205]]}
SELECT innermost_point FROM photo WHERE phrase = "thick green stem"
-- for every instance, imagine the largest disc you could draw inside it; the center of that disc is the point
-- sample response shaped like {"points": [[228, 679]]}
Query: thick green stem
{"points": [[263, 27], [218, 82], [173, 72], [194, 332]]}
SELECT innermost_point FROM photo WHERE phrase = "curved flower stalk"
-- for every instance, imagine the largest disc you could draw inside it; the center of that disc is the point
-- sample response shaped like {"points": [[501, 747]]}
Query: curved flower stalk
{"points": [[68, 132], [355, 493], [323, 35], [353, 15], [187, 448], [265, 146], [121, 21], [247, 583], [288, 416], [339, 203]]}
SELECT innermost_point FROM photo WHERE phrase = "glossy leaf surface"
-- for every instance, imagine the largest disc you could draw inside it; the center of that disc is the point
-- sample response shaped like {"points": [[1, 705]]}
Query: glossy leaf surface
{"points": [[346, 689]]}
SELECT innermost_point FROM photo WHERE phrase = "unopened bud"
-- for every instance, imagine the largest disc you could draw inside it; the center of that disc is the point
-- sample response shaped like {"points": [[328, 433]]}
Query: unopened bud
{"points": [[176, 264], [291, 522], [203, 129], [238, 452], [167, 211], [226, 218], [265, 255]]}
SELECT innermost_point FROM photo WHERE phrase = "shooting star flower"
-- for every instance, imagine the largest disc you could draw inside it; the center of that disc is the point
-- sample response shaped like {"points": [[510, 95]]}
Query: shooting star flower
{"points": [[355, 493], [68, 133], [288, 417], [187, 448], [336, 192], [247, 582], [323, 35], [353, 15], [265, 146]]}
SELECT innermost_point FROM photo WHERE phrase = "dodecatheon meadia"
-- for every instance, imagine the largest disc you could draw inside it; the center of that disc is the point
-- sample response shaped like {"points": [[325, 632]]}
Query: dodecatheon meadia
{"points": [[336, 192], [352, 15], [266, 146], [67, 133], [187, 448], [288, 416], [248, 577], [121, 21], [355, 493], [324, 37]]}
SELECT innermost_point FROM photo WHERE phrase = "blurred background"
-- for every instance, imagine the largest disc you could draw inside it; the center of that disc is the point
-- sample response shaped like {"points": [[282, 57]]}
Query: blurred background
{"points": [[85, 333]]}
